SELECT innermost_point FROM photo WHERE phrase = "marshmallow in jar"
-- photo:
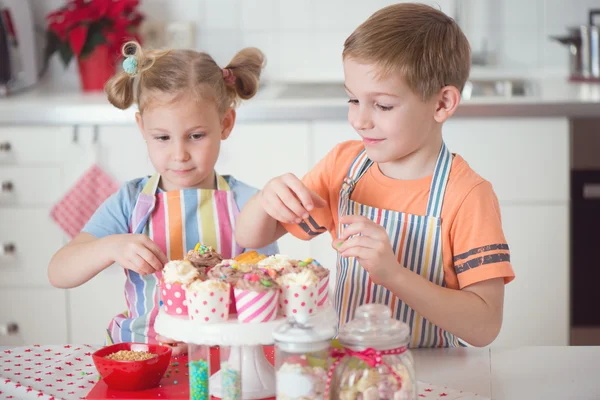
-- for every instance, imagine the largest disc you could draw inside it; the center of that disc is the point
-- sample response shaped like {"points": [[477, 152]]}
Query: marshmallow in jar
{"points": [[375, 362], [302, 358]]}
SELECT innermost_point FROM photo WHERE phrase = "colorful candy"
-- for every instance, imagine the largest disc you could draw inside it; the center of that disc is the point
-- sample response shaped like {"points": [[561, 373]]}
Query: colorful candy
{"points": [[199, 380], [231, 383]]}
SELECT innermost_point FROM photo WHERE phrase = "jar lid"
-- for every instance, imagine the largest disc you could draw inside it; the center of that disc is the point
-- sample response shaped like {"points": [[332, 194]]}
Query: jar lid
{"points": [[315, 334], [374, 327]]}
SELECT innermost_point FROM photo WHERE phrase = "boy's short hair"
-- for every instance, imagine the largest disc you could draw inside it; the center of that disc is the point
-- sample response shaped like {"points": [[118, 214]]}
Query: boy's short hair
{"points": [[423, 44]]}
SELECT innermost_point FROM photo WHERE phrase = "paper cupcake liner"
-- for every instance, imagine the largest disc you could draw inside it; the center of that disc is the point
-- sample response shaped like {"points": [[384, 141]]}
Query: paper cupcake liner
{"points": [[323, 292], [208, 305], [298, 301], [173, 298], [256, 306]]}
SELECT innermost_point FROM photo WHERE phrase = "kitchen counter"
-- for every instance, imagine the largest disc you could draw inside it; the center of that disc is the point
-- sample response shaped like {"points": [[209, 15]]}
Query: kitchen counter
{"points": [[526, 373], [552, 97]]}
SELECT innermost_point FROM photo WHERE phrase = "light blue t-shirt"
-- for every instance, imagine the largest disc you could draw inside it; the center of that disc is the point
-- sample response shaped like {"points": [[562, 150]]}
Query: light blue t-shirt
{"points": [[114, 215]]}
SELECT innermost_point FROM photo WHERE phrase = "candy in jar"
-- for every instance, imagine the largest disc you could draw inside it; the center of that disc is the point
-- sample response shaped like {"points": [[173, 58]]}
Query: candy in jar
{"points": [[375, 362], [302, 358]]}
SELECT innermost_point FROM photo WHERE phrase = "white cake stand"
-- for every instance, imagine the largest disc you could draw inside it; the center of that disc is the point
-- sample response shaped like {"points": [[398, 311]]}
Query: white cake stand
{"points": [[258, 375]]}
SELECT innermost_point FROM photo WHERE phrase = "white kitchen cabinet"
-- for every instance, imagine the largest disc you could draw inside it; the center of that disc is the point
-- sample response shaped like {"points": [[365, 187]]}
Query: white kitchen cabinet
{"points": [[34, 145], [39, 313], [526, 160], [536, 303], [93, 305]]}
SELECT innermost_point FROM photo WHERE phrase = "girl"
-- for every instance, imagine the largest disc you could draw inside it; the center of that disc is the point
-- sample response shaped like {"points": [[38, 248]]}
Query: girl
{"points": [[186, 108]]}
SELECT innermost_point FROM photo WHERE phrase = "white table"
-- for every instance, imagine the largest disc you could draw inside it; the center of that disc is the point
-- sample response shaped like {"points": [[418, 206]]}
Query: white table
{"points": [[527, 373]]}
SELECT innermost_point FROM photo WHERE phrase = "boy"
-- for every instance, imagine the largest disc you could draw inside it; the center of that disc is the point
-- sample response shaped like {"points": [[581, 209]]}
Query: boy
{"points": [[415, 227]]}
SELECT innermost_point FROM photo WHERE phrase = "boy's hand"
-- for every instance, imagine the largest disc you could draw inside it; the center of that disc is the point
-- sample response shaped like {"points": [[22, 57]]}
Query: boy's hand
{"points": [[288, 200], [137, 253], [370, 244]]}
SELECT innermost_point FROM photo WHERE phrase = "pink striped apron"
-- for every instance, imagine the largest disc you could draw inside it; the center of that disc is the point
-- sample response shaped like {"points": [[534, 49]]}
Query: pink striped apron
{"points": [[176, 221], [417, 242]]}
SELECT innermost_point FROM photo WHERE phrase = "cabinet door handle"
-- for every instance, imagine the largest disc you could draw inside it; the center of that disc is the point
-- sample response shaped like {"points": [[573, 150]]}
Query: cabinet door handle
{"points": [[5, 147], [7, 187], [9, 249], [9, 329]]}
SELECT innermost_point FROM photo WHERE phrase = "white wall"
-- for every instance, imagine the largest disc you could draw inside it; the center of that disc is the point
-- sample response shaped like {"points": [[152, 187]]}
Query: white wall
{"points": [[303, 39]]}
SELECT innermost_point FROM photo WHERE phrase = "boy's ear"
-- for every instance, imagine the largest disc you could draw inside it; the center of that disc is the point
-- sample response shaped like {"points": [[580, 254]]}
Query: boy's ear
{"points": [[448, 100], [228, 123]]}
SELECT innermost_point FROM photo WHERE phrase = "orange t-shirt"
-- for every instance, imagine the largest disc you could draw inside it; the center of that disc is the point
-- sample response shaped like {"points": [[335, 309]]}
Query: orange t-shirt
{"points": [[473, 245]]}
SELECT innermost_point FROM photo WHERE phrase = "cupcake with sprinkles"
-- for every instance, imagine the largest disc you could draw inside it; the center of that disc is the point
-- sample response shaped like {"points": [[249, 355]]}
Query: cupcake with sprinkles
{"points": [[230, 272], [203, 257], [256, 297]]}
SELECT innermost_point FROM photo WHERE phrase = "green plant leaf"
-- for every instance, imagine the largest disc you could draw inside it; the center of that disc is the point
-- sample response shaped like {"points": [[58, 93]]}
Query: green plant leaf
{"points": [[95, 38], [65, 53]]}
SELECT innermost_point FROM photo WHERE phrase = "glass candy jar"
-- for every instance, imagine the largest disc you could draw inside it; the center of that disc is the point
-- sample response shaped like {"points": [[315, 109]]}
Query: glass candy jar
{"points": [[302, 359], [375, 362]]}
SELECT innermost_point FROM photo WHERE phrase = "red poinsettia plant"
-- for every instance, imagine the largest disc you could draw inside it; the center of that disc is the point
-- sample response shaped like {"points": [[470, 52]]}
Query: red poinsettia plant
{"points": [[77, 28]]}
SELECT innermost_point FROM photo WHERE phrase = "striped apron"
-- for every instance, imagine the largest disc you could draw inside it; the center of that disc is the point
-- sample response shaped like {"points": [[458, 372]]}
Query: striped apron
{"points": [[417, 242], [176, 221]]}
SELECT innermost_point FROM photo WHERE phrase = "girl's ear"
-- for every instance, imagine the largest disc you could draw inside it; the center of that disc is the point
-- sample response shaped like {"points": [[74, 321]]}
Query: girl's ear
{"points": [[227, 123], [140, 123]]}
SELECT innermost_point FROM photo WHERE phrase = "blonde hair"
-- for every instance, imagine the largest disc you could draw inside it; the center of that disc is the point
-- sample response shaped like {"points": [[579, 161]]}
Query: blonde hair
{"points": [[421, 43], [181, 72]]}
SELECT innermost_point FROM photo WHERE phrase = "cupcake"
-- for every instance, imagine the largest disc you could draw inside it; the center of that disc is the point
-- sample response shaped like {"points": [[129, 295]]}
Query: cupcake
{"points": [[321, 272], [298, 294], [203, 257], [208, 301], [229, 271], [175, 275], [256, 297]]}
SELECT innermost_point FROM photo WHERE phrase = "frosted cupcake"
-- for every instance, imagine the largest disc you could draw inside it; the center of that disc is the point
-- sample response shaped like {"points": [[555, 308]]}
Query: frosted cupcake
{"points": [[256, 297], [231, 272], [298, 294], [175, 275], [208, 301], [321, 272], [203, 257]]}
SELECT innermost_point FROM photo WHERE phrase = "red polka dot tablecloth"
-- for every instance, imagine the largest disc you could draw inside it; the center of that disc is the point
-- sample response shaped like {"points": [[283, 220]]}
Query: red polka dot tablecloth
{"points": [[68, 372]]}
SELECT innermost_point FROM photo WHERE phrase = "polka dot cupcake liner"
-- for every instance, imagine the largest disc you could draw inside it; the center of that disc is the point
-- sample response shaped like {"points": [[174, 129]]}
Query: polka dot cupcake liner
{"points": [[173, 299], [298, 301], [208, 305]]}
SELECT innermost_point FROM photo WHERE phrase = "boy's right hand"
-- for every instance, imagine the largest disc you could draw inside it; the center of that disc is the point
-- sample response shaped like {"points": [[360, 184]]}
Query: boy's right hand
{"points": [[137, 252], [288, 200]]}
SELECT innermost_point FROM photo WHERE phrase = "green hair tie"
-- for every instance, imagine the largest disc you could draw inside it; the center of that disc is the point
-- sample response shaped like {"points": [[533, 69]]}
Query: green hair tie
{"points": [[130, 65]]}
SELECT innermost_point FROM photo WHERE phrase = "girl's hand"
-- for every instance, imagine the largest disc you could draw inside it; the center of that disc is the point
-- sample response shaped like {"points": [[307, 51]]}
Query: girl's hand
{"points": [[288, 200], [179, 348], [137, 253], [370, 244]]}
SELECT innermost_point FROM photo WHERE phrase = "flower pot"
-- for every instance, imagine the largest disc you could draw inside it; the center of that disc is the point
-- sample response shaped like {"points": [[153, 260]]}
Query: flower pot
{"points": [[96, 69]]}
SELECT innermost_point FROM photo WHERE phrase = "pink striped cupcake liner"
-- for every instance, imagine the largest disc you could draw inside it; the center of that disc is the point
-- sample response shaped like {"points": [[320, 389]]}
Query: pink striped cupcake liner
{"points": [[323, 291], [256, 306]]}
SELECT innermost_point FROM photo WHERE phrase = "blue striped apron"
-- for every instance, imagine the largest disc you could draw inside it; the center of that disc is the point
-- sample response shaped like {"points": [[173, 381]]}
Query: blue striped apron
{"points": [[417, 243]]}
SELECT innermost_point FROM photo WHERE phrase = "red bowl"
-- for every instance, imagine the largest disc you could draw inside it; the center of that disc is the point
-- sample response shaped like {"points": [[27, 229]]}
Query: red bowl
{"points": [[132, 375]]}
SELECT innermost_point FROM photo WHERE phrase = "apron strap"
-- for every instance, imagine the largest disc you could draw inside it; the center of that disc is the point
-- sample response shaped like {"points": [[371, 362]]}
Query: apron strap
{"points": [[439, 182], [221, 183], [441, 172], [357, 169], [145, 204]]}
